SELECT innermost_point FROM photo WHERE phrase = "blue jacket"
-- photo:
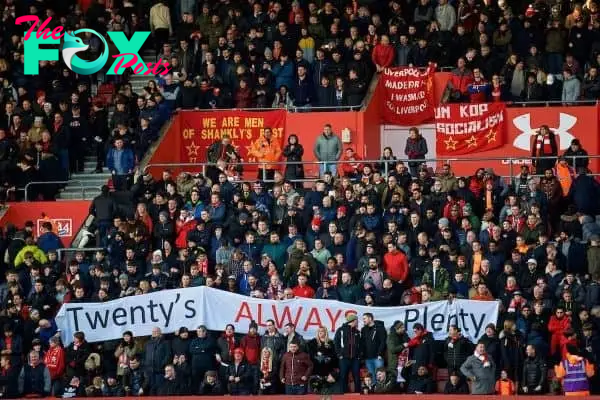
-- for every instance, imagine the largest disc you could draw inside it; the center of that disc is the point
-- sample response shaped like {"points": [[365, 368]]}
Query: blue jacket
{"points": [[49, 241], [284, 75], [217, 213], [128, 159]]}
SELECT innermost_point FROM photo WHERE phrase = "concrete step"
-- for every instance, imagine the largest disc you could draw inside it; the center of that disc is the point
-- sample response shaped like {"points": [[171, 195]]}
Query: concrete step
{"points": [[76, 196], [86, 177]]}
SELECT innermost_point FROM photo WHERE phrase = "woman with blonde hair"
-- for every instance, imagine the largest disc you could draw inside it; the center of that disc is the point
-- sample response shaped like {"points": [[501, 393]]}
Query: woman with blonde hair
{"points": [[268, 372], [322, 353]]}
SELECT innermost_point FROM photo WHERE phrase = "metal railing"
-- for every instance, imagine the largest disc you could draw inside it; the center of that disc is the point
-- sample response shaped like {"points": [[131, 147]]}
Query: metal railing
{"points": [[550, 103], [510, 161], [286, 108], [68, 250], [76, 182]]}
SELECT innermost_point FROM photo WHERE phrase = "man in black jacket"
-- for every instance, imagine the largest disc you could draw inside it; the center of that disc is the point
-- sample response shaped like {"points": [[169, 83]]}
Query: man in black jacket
{"points": [[373, 338], [347, 347], [171, 385], [157, 354], [457, 349], [535, 372], [203, 350]]}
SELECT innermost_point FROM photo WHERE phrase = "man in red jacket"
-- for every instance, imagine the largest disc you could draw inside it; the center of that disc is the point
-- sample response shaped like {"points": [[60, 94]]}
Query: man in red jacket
{"points": [[296, 368], [383, 54], [303, 290], [395, 264], [55, 362]]}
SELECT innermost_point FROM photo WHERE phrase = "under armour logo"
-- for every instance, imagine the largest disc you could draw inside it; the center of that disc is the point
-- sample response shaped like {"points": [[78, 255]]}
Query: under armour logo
{"points": [[523, 124]]}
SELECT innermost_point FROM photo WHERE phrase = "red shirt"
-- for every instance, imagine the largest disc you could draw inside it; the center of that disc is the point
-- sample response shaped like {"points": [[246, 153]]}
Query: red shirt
{"points": [[306, 292]]}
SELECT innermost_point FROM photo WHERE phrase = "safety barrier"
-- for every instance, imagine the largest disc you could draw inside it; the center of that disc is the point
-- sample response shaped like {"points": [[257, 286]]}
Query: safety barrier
{"points": [[69, 250], [450, 160]]}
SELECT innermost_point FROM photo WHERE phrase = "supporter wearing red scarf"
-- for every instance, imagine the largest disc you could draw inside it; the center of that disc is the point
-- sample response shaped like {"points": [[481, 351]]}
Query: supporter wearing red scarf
{"points": [[227, 344]]}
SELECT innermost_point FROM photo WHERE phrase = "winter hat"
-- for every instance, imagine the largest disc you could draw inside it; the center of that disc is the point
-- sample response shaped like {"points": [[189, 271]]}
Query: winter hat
{"points": [[316, 221], [351, 318]]}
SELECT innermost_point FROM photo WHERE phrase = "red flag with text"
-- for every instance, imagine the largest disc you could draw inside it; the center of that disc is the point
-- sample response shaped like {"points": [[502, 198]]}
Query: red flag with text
{"points": [[469, 128], [201, 129], [408, 95]]}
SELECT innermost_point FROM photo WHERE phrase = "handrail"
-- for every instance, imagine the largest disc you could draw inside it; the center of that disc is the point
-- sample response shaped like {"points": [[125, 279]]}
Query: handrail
{"points": [[286, 108], [60, 252], [26, 198], [448, 160]]}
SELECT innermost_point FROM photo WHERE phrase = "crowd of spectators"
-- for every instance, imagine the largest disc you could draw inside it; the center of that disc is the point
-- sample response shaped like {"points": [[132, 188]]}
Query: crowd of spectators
{"points": [[361, 236]]}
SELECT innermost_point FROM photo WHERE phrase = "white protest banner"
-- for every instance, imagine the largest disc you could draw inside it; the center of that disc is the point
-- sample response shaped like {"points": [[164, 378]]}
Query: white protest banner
{"points": [[173, 309]]}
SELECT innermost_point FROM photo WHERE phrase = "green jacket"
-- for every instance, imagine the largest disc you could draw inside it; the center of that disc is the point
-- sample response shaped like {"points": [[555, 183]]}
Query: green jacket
{"points": [[349, 293], [395, 345], [277, 252], [442, 282], [328, 148]]}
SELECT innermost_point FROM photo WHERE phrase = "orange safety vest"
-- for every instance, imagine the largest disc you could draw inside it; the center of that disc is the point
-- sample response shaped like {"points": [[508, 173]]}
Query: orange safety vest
{"points": [[564, 174]]}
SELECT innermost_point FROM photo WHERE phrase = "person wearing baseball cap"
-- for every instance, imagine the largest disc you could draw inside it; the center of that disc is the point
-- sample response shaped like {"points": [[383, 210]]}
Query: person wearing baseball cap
{"points": [[347, 346]]}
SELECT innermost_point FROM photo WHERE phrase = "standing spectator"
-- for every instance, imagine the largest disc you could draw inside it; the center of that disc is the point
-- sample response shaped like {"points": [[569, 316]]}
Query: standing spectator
{"points": [[460, 80], [458, 349], [481, 370], [54, 359], [34, 379], [373, 339], [239, 375], [415, 149], [296, 368], [544, 145], [77, 353], [293, 152], [383, 54], [347, 347], [157, 354], [445, 15], [120, 161], [267, 151], [395, 264], [534, 372], [160, 24], [571, 87], [576, 155], [328, 150]]}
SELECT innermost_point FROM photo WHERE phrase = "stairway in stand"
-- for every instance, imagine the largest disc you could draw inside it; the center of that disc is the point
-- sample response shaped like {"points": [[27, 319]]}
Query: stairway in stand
{"points": [[88, 179]]}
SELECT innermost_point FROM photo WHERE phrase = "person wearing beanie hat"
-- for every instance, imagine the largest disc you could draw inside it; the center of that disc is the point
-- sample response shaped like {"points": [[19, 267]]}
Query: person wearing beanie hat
{"points": [[239, 375], [347, 347], [250, 344], [211, 386]]}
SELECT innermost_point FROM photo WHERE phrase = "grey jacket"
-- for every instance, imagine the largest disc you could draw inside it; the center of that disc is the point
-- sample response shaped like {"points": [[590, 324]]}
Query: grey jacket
{"points": [[328, 148], [571, 89], [484, 379]]}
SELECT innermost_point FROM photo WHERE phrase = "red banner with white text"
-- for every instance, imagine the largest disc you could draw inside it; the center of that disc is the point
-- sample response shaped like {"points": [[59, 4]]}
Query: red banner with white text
{"points": [[408, 95], [201, 129], [469, 128]]}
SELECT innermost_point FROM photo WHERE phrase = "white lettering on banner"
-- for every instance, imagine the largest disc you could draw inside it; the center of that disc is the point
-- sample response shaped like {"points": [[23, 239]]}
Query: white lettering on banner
{"points": [[469, 127], [173, 309], [404, 72]]}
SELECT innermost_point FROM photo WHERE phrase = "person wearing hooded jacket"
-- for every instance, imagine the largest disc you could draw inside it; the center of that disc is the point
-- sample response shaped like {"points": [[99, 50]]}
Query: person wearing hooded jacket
{"points": [[373, 340], [347, 346]]}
